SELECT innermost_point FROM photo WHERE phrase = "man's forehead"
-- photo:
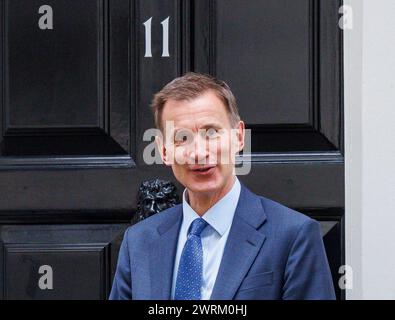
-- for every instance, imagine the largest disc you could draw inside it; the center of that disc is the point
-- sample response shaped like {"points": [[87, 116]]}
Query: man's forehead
{"points": [[192, 115], [204, 112]]}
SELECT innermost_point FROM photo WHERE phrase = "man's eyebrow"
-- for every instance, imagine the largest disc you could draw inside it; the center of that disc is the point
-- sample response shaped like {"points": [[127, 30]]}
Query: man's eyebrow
{"points": [[178, 129], [205, 126], [211, 125]]}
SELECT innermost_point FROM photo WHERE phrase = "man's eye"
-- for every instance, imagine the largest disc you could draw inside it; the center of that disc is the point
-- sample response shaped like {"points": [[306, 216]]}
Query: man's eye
{"points": [[182, 137], [212, 133]]}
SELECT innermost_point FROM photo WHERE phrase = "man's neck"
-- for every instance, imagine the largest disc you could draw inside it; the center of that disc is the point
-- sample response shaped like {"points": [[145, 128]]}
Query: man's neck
{"points": [[202, 202]]}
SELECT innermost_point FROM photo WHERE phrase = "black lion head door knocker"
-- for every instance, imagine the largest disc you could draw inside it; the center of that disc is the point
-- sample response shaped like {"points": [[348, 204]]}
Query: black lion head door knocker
{"points": [[155, 196]]}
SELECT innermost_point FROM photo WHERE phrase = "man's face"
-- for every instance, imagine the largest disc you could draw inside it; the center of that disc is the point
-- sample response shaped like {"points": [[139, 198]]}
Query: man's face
{"points": [[199, 143]]}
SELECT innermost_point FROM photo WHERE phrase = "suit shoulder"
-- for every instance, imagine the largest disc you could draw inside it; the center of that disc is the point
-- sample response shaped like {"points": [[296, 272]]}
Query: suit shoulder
{"points": [[279, 214], [151, 223], [286, 224]]}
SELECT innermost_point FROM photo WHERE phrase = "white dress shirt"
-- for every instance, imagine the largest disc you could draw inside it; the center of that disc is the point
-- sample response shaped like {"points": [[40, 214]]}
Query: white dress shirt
{"points": [[219, 218]]}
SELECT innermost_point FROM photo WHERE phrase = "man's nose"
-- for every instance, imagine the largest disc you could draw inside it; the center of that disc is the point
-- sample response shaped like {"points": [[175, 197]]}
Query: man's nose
{"points": [[199, 149]]}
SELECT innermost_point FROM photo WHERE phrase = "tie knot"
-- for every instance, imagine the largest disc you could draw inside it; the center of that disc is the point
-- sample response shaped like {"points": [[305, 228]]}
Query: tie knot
{"points": [[197, 226]]}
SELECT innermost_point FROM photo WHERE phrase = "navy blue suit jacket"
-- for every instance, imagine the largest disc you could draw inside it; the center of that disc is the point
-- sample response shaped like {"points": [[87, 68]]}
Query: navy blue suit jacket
{"points": [[272, 252]]}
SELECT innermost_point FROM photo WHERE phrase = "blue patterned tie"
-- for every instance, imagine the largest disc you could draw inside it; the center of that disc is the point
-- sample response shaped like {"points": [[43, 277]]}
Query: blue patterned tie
{"points": [[190, 269]]}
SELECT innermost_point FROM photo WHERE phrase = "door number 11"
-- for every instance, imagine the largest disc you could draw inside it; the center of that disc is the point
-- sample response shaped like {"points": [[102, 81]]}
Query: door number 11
{"points": [[148, 38]]}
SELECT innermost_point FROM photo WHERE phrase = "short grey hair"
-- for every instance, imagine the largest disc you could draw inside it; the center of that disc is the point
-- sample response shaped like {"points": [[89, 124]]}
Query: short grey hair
{"points": [[190, 86]]}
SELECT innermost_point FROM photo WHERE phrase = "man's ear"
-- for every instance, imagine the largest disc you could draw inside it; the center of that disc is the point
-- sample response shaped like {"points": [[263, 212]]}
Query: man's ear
{"points": [[240, 135], [162, 149]]}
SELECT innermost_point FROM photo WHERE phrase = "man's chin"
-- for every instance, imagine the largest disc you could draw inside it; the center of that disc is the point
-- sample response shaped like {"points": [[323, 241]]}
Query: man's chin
{"points": [[201, 187]]}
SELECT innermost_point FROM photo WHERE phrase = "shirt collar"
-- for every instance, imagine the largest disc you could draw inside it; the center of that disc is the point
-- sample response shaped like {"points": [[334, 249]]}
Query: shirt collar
{"points": [[220, 215]]}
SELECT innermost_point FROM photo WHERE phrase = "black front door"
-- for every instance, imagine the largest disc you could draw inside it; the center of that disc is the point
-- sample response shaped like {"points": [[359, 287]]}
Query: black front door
{"points": [[76, 81]]}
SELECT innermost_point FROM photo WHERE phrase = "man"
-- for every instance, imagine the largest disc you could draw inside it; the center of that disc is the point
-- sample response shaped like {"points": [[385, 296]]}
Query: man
{"points": [[223, 241]]}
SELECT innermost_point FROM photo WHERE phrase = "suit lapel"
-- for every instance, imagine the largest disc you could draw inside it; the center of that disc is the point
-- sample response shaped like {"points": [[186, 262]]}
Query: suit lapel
{"points": [[243, 244], [162, 255]]}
